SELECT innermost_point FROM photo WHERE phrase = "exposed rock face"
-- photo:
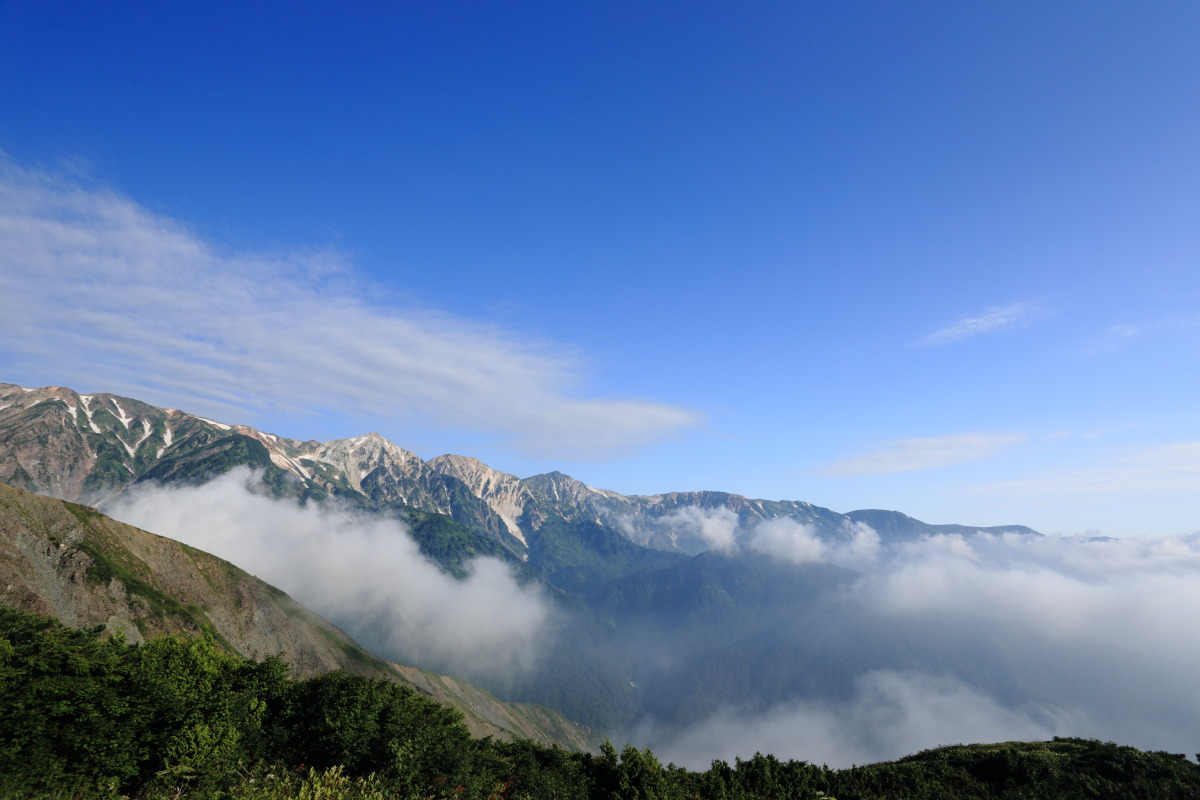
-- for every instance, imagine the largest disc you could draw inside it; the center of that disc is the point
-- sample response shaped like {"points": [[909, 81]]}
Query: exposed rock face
{"points": [[71, 562], [86, 569], [370, 463], [504, 494], [663, 521]]}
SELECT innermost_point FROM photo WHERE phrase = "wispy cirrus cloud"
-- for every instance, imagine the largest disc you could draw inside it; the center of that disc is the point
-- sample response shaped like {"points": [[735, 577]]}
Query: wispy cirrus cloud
{"points": [[103, 292], [910, 455], [993, 320]]}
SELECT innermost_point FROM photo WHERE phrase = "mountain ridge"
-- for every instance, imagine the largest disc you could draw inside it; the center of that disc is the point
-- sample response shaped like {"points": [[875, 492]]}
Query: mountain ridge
{"points": [[97, 445]]}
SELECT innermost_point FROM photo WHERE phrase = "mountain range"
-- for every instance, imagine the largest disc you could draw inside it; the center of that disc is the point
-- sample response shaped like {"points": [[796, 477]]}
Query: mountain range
{"points": [[670, 607], [88, 448]]}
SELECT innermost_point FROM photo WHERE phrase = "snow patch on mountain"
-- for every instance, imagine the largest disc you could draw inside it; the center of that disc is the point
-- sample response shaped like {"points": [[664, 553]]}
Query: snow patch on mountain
{"points": [[86, 401], [146, 432], [121, 415], [168, 440]]}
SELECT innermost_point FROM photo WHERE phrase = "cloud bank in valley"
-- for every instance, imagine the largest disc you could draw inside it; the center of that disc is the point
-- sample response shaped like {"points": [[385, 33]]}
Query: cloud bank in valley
{"points": [[1090, 637], [890, 714], [716, 528], [366, 574], [94, 286]]}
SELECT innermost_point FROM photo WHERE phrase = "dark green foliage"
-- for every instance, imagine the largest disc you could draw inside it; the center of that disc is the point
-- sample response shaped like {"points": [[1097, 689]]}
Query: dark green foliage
{"points": [[530, 770], [1064, 768], [450, 545], [201, 464], [76, 706], [63, 700], [371, 726], [581, 556], [636, 775]]}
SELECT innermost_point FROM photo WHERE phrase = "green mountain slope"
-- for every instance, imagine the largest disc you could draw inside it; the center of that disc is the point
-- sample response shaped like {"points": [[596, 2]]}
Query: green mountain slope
{"points": [[73, 563]]}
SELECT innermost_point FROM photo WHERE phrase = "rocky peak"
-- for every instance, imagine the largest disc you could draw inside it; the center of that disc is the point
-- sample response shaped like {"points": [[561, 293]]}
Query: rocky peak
{"points": [[359, 456], [557, 487], [370, 447], [471, 471]]}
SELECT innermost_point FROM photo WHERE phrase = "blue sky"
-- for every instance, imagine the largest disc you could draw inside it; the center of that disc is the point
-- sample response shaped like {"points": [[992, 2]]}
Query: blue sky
{"points": [[936, 257]]}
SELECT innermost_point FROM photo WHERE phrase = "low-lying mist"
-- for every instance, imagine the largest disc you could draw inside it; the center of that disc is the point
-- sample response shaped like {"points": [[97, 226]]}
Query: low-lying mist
{"points": [[890, 714], [1047, 635], [364, 573]]}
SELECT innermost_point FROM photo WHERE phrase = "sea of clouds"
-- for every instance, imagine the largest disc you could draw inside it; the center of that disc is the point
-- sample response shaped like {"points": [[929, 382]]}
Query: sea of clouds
{"points": [[1101, 634]]}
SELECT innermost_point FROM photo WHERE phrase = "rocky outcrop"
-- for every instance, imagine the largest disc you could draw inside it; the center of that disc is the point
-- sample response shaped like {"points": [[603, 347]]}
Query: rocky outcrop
{"points": [[73, 563]]}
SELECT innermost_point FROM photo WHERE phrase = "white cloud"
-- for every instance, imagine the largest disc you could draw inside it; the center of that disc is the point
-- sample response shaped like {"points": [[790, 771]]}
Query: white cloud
{"points": [[366, 574], [1076, 637], [784, 539], [1119, 335], [993, 320], [787, 540], [716, 527], [1109, 624], [1079, 637], [908, 455], [100, 291], [890, 715]]}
